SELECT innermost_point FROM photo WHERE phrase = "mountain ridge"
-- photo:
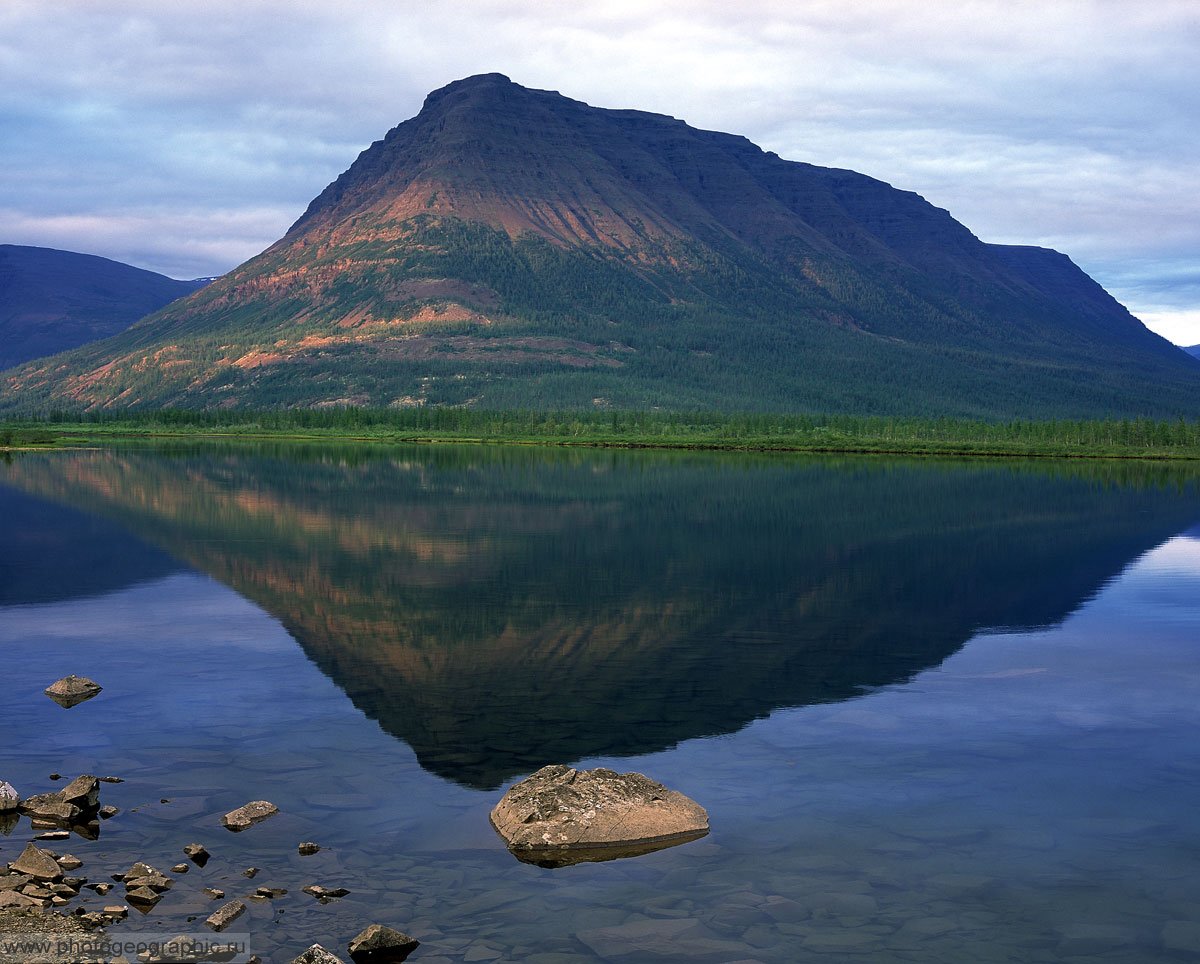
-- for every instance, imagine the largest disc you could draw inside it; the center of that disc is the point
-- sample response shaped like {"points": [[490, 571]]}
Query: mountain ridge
{"points": [[515, 248], [52, 300]]}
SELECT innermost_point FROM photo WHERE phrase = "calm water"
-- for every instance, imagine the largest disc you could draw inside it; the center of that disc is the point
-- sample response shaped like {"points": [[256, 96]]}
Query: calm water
{"points": [[937, 712]]}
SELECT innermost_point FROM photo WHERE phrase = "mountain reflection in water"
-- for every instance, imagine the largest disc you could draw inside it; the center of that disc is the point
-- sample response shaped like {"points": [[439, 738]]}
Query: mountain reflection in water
{"points": [[500, 609]]}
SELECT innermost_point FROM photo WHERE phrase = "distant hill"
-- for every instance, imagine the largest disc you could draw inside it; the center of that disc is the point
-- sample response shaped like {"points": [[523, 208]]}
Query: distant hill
{"points": [[1194, 351], [53, 300], [514, 248]]}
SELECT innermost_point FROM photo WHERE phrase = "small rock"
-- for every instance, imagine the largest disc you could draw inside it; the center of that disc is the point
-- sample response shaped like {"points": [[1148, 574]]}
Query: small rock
{"points": [[143, 875], [9, 800], [308, 848], [11, 900], [69, 862], [116, 911], [247, 816], [225, 915], [143, 895], [270, 892], [72, 690], [214, 893], [83, 792], [378, 944], [181, 868], [197, 854], [13, 881], [54, 835], [107, 813], [317, 955], [55, 776], [250, 873], [100, 889], [50, 807], [37, 863], [112, 779], [324, 894]]}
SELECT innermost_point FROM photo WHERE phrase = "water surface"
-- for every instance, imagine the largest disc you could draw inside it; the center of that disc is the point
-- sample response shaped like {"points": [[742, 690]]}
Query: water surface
{"points": [[936, 711]]}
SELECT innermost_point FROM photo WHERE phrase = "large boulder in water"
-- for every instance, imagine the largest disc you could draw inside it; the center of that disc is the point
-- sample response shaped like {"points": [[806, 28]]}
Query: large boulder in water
{"points": [[560, 816]]}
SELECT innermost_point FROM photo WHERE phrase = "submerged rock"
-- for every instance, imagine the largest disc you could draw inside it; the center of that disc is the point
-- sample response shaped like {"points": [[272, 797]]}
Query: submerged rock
{"points": [[248, 815], [381, 945], [560, 816], [72, 690]]}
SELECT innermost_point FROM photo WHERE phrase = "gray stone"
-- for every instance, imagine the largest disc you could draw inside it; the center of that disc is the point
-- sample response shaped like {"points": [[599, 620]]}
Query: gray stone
{"points": [[72, 690], [225, 915], [248, 815], [325, 894], [83, 792], [214, 893], [13, 881], [143, 875], [9, 799], [197, 854], [37, 863], [377, 944], [317, 955], [11, 900], [308, 848], [51, 807], [559, 816]]}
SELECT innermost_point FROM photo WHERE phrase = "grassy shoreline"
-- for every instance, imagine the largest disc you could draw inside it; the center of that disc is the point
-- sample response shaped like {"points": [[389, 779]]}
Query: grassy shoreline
{"points": [[1141, 439]]}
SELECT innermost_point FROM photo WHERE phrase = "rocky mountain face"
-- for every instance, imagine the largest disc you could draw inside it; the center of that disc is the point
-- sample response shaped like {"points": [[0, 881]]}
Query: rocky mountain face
{"points": [[53, 300], [513, 247]]}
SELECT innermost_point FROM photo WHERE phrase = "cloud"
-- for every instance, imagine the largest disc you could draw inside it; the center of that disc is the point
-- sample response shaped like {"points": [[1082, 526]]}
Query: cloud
{"points": [[1067, 123]]}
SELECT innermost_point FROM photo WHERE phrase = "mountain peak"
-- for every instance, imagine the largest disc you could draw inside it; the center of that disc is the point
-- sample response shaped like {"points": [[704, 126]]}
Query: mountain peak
{"points": [[512, 246]]}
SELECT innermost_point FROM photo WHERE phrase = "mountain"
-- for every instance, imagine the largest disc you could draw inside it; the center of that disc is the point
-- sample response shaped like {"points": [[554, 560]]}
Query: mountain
{"points": [[510, 247], [53, 300], [1194, 351]]}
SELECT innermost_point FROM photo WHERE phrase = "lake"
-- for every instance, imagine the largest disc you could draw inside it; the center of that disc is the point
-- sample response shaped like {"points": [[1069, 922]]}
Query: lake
{"points": [[937, 711]]}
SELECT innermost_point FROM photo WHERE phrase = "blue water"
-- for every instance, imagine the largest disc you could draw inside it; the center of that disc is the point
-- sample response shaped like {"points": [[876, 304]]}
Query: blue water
{"points": [[1027, 789]]}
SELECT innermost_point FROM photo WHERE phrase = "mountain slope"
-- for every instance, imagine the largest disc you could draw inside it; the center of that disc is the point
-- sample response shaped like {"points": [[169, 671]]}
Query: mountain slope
{"points": [[512, 247], [53, 300], [1194, 351]]}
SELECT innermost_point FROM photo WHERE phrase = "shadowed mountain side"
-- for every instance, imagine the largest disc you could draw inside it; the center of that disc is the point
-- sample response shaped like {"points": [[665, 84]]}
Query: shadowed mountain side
{"points": [[514, 248], [49, 552], [53, 300], [499, 610], [1194, 351]]}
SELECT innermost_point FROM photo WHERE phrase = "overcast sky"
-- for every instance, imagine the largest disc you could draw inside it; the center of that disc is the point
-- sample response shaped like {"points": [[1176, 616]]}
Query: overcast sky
{"points": [[185, 136]]}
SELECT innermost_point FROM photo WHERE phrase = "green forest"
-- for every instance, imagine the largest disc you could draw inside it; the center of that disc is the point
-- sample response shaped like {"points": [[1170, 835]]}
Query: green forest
{"points": [[1115, 438]]}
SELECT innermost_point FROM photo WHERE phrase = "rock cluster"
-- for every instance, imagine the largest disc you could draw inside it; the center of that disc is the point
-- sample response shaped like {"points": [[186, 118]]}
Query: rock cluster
{"points": [[144, 886], [560, 816], [38, 881], [76, 806]]}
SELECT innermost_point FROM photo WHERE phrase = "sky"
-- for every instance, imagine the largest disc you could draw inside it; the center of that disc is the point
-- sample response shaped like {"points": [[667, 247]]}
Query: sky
{"points": [[185, 137]]}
